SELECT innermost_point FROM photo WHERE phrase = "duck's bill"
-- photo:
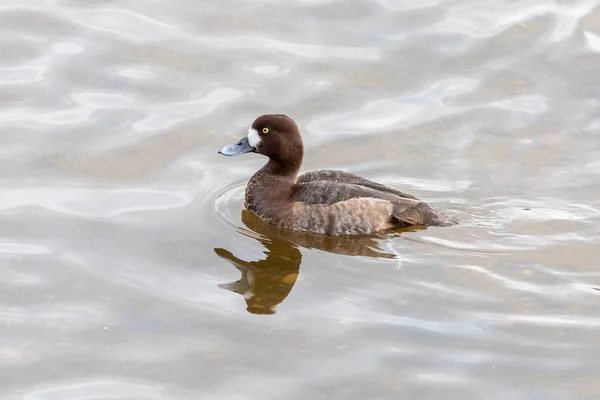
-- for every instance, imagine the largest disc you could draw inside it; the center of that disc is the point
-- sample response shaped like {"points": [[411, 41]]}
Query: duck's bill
{"points": [[237, 148]]}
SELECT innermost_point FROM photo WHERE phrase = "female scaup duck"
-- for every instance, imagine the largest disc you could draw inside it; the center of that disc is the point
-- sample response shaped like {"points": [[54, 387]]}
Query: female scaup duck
{"points": [[326, 202]]}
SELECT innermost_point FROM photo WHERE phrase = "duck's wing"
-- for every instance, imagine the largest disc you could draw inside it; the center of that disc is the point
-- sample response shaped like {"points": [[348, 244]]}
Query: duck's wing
{"points": [[328, 175], [331, 192], [344, 208]]}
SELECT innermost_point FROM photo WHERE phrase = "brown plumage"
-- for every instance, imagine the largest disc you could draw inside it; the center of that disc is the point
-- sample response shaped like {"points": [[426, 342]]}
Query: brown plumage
{"points": [[325, 202]]}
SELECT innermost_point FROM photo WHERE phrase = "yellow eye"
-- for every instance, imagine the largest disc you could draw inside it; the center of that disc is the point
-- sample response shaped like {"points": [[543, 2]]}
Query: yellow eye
{"points": [[265, 130]]}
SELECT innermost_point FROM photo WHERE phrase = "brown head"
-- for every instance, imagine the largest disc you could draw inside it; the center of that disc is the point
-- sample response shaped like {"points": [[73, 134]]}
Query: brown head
{"points": [[276, 136]]}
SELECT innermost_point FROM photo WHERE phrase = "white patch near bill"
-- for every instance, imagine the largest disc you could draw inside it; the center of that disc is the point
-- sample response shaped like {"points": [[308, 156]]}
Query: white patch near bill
{"points": [[253, 137]]}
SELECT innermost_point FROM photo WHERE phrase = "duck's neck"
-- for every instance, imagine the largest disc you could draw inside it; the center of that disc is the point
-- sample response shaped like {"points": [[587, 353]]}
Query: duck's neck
{"points": [[284, 169], [286, 161]]}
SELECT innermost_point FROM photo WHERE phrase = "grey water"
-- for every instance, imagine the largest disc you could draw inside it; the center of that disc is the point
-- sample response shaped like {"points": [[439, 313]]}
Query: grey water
{"points": [[130, 271]]}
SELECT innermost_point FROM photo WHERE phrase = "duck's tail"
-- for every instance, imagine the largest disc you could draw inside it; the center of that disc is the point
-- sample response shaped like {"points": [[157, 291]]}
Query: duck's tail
{"points": [[419, 214]]}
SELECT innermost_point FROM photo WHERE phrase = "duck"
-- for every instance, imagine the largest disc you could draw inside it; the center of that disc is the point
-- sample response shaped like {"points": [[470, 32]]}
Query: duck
{"points": [[325, 202]]}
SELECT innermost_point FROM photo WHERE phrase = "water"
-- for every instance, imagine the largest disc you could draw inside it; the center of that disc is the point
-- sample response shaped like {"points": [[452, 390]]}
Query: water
{"points": [[130, 272]]}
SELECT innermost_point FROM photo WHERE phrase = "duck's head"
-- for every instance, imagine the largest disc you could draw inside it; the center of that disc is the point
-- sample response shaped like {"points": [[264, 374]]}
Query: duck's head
{"points": [[274, 135]]}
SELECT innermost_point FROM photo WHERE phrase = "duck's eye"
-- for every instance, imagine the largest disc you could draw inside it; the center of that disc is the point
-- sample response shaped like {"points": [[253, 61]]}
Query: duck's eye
{"points": [[265, 130]]}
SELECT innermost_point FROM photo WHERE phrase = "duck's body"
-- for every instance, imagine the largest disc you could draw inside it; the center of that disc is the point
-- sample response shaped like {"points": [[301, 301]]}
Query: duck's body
{"points": [[325, 202]]}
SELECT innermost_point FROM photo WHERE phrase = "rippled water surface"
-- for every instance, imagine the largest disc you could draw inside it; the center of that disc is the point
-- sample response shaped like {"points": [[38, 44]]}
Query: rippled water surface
{"points": [[129, 270]]}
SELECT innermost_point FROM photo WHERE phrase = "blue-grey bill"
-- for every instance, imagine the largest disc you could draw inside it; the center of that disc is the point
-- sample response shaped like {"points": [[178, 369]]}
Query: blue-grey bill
{"points": [[238, 148]]}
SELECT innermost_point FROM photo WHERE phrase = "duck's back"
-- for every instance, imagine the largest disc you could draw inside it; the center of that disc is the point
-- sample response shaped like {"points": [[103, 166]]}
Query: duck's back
{"points": [[328, 176]]}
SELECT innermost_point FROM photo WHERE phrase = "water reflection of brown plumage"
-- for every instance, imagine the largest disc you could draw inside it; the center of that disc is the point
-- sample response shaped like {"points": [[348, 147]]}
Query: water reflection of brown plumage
{"points": [[267, 282]]}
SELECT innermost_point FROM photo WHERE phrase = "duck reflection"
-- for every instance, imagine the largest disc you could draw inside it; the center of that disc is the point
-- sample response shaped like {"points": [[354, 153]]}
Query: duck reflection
{"points": [[265, 283]]}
